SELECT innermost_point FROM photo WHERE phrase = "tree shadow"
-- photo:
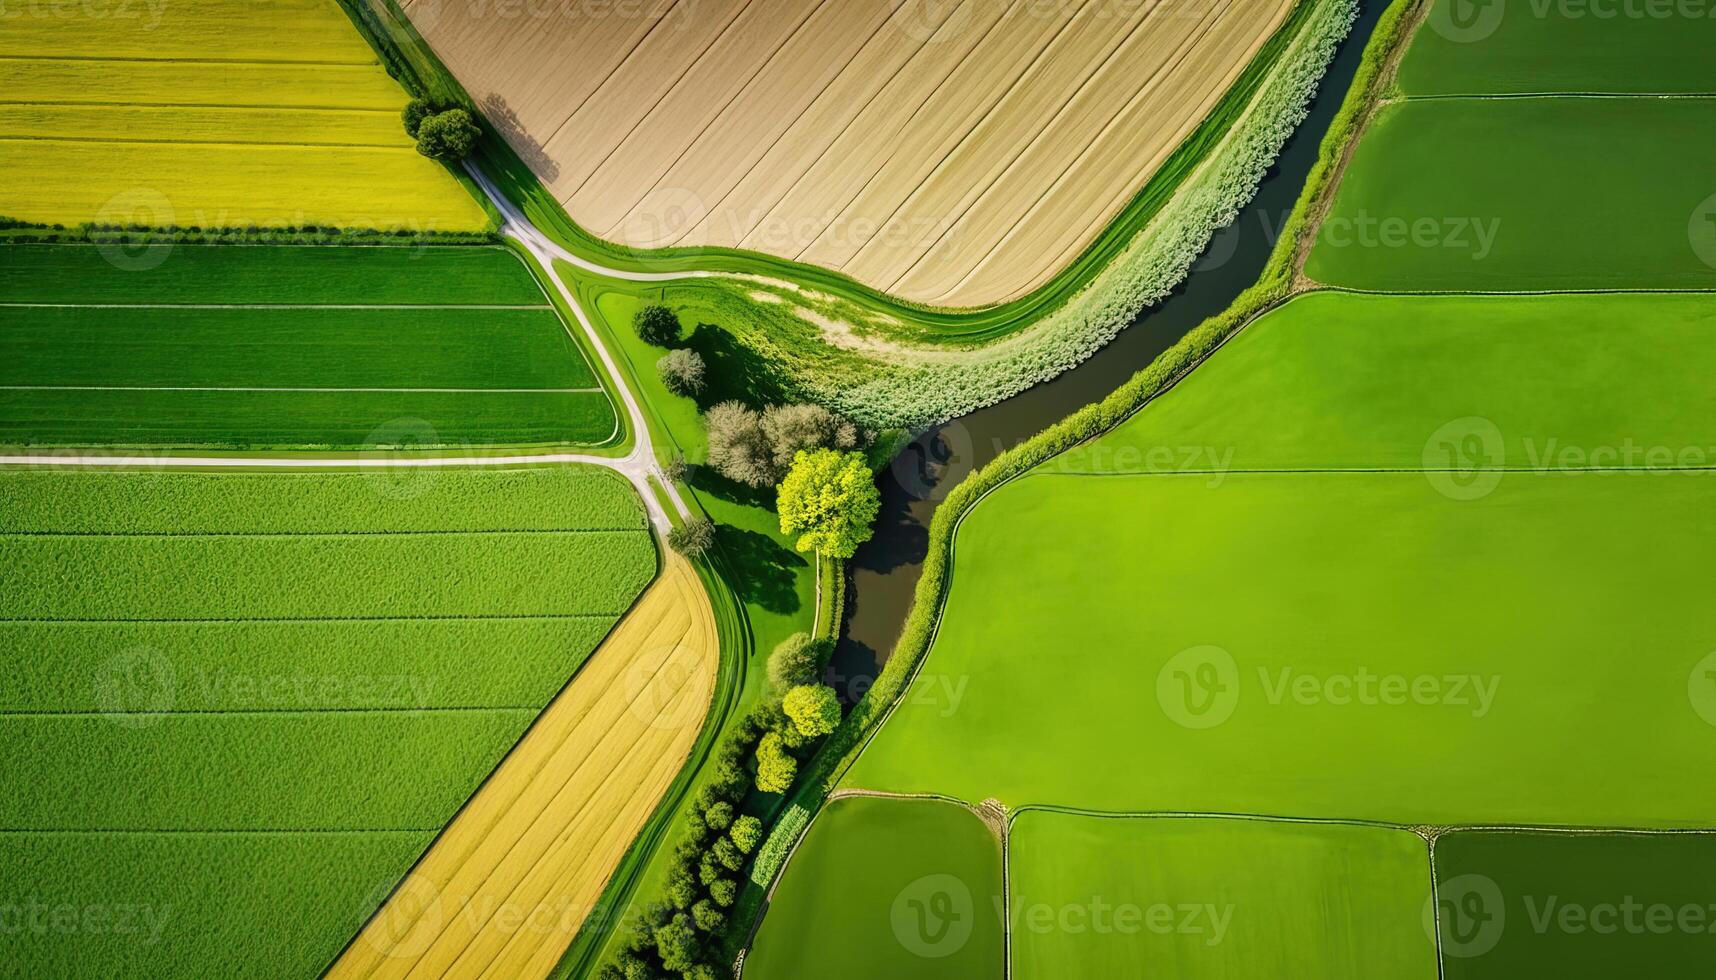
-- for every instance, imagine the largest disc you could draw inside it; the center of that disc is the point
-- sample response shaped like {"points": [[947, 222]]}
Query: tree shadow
{"points": [[735, 372], [707, 480], [760, 570], [506, 122]]}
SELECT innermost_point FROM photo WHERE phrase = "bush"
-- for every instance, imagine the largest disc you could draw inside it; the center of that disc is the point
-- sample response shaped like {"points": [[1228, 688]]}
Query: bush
{"points": [[656, 325], [676, 469], [707, 916], [799, 659], [774, 852], [747, 833], [757, 448], [830, 501], [448, 136], [738, 449], [719, 816], [677, 943], [727, 854], [694, 538], [790, 429], [414, 113], [813, 708], [775, 768], [682, 371]]}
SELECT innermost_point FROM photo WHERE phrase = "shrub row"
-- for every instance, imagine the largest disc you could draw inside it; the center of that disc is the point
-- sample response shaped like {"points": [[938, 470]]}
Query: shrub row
{"points": [[1157, 261], [683, 933]]}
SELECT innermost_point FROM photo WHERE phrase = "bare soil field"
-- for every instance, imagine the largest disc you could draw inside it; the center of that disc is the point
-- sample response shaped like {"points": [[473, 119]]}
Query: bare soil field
{"points": [[949, 153], [507, 885]]}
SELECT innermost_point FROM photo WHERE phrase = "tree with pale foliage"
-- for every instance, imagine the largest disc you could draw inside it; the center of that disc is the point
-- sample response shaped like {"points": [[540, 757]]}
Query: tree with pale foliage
{"points": [[829, 499], [776, 769], [813, 708]]}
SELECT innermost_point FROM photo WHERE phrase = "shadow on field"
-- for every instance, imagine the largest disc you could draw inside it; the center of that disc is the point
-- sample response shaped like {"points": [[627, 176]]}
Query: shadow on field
{"points": [[735, 372], [761, 570]]}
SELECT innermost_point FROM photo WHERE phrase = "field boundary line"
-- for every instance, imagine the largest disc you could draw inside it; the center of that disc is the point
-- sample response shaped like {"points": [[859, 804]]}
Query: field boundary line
{"points": [[452, 709], [1428, 831], [316, 619], [1512, 293], [1511, 96], [1391, 470], [140, 141], [313, 63], [418, 533], [235, 106], [544, 307], [309, 391], [216, 832]]}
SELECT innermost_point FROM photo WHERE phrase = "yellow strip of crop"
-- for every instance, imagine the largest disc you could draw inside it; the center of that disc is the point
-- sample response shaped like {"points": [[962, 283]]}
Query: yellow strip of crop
{"points": [[209, 113], [505, 888]]}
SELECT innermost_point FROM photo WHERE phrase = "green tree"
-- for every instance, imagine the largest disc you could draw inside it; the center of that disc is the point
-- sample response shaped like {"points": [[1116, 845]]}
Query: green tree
{"points": [[727, 854], [830, 500], [682, 372], [677, 943], [747, 833], [656, 325], [718, 816], [813, 708], [414, 113], [694, 538], [724, 891], [799, 659], [682, 888], [707, 916], [448, 136], [775, 768]]}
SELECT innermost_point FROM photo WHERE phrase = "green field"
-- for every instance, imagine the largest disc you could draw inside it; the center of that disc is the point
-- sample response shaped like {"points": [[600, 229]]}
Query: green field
{"points": [[1342, 380], [257, 347], [248, 701], [1473, 47], [1253, 524], [1576, 906], [1499, 198], [1194, 899], [210, 114], [886, 888], [1061, 680]]}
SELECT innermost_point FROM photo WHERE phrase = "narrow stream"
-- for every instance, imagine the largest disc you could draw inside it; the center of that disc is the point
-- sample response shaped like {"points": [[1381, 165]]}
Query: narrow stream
{"points": [[885, 571]]}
